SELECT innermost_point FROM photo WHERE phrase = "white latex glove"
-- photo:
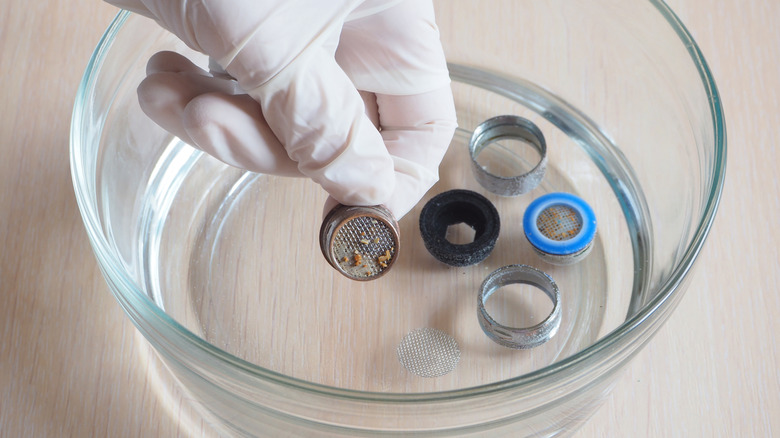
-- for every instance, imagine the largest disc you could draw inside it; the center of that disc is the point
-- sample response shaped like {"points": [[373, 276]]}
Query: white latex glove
{"points": [[352, 93]]}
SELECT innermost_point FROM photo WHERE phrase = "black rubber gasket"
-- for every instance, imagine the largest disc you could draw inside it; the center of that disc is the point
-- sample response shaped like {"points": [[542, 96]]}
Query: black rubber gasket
{"points": [[454, 207]]}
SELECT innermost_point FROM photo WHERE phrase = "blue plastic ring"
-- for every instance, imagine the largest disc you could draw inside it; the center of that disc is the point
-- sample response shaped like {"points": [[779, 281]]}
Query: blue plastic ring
{"points": [[578, 242]]}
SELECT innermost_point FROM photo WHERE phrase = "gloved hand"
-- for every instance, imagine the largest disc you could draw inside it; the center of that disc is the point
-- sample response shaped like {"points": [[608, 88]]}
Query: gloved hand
{"points": [[352, 93]]}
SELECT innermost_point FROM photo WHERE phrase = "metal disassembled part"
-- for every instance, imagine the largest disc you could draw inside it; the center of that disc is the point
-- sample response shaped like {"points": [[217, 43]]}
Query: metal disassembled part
{"points": [[362, 243], [560, 227], [428, 352], [502, 128], [514, 337]]}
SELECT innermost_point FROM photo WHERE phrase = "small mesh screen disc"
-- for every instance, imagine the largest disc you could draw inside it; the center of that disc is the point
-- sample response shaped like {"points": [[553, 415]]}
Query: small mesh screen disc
{"points": [[559, 222], [428, 352], [360, 242], [363, 246]]}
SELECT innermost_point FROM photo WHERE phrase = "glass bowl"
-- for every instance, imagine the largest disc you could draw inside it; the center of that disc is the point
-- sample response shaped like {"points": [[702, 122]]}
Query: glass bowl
{"points": [[221, 272]]}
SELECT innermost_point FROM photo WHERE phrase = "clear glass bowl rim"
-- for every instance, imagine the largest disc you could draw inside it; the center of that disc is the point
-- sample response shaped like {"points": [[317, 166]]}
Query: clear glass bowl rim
{"points": [[139, 306]]}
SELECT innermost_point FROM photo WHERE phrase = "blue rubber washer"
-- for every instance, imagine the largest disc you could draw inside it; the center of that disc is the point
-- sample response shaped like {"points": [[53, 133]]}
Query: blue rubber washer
{"points": [[577, 243]]}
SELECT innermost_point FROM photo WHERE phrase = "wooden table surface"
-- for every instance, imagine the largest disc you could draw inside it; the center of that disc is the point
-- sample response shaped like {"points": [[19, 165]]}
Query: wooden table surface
{"points": [[71, 364]]}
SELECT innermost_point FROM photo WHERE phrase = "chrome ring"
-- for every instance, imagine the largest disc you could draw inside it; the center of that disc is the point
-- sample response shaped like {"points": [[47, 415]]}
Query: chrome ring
{"points": [[514, 337], [505, 127]]}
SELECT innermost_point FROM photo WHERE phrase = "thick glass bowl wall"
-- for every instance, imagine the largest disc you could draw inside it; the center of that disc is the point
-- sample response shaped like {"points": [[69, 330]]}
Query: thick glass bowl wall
{"points": [[629, 68]]}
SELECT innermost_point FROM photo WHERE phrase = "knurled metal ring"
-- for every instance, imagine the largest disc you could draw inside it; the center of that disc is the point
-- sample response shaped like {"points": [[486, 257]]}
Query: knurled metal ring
{"points": [[508, 127], [519, 337]]}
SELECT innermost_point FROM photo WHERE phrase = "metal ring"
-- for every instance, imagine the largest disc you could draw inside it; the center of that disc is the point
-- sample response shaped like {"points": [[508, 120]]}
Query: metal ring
{"points": [[454, 207], [505, 127], [513, 337]]}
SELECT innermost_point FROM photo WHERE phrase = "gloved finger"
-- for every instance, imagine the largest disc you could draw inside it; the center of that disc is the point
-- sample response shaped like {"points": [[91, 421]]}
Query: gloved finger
{"points": [[172, 62], [232, 129], [201, 110], [136, 6], [398, 55], [171, 83], [417, 130], [397, 51], [319, 116], [208, 114], [372, 112]]}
